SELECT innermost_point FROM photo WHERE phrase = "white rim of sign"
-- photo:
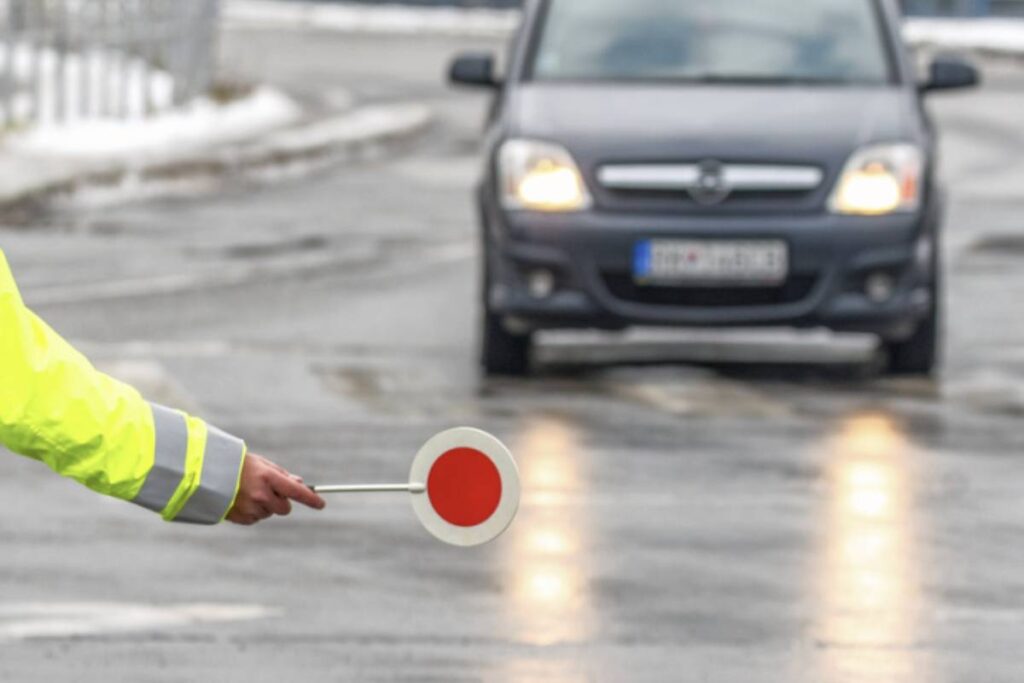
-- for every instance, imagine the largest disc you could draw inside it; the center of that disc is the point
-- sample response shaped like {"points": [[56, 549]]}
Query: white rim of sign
{"points": [[495, 450]]}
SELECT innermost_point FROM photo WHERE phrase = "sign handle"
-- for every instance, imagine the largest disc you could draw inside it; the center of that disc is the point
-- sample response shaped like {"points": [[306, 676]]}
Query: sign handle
{"points": [[371, 488]]}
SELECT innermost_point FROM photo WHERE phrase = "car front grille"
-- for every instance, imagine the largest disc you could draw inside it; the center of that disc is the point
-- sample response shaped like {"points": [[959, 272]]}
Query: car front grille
{"points": [[684, 187], [794, 289]]}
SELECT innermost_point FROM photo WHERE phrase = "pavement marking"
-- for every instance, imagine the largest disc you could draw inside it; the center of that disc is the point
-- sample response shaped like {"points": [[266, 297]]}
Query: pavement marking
{"points": [[36, 620]]}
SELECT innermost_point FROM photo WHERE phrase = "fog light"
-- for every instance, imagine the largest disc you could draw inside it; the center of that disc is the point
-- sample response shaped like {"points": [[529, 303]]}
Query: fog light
{"points": [[879, 287], [541, 283], [923, 254]]}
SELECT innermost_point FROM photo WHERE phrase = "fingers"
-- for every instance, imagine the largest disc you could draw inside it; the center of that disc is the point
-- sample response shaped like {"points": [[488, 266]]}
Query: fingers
{"points": [[288, 487], [267, 489], [266, 502], [283, 471], [238, 517], [250, 512], [277, 468], [277, 505]]}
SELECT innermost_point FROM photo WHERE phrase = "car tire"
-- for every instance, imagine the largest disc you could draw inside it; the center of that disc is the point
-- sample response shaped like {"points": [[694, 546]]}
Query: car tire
{"points": [[919, 355], [504, 353]]}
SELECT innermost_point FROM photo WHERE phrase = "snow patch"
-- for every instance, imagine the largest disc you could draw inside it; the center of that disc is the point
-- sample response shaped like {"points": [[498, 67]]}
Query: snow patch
{"points": [[199, 124], [993, 35]]}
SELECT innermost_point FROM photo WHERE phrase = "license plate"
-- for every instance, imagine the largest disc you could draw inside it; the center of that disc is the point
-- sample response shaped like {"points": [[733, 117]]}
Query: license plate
{"points": [[711, 262]]}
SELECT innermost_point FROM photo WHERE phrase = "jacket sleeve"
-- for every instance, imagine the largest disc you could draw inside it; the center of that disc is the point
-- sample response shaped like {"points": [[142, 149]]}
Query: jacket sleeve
{"points": [[55, 407]]}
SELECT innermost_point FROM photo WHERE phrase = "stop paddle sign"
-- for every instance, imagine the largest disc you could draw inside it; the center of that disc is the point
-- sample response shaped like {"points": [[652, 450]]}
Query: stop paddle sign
{"points": [[472, 486], [464, 486]]}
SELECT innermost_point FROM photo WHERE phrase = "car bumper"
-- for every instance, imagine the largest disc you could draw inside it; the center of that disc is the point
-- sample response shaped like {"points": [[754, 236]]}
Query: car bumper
{"points": [[830, 258]]}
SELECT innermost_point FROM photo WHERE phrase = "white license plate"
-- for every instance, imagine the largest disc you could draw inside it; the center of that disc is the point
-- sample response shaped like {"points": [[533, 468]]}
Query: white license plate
{"points": [[743, 262]]}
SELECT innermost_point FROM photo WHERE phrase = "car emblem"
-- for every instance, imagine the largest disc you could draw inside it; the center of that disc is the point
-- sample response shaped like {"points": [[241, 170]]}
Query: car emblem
{"points": [[710, 187]]}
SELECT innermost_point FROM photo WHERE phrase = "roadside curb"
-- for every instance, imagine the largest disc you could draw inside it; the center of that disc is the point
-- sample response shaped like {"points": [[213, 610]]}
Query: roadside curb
{"points": [[352, 134], [356, 133]]}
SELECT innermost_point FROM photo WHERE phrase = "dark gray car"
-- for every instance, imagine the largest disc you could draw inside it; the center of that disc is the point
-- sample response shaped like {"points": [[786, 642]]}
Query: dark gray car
{"points": [[685, 163]]}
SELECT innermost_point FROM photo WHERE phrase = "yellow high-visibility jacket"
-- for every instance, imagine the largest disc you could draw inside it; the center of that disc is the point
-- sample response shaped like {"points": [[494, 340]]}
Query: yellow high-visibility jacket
{"points": [[55, 407]]}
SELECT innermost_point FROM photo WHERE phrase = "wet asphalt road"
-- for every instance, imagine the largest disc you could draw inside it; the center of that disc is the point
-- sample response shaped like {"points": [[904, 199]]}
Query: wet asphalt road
{"points": [[737, 522]]}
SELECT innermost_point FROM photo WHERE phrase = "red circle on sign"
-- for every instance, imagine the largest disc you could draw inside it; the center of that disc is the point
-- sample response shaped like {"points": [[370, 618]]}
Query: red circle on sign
{"points": [[464, 487]]}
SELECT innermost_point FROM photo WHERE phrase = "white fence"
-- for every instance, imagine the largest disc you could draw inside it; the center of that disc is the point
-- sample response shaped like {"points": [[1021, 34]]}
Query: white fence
{"points": [[67, 60]]}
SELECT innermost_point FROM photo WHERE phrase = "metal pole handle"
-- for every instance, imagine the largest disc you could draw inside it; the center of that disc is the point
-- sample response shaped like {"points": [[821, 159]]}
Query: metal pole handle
{"points": [[371, 488]]}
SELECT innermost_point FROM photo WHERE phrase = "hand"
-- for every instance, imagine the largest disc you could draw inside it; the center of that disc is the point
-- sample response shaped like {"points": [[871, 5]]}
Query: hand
{"points": [[267, 489]]}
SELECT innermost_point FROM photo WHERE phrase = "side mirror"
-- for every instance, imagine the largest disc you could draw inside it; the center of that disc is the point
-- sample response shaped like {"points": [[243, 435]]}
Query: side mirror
{"points": [[475, 69], [950, 73]]}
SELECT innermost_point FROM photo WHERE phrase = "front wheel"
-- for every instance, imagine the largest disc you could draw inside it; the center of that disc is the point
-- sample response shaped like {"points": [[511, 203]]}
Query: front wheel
{"points": [[918, 355], [504, 353]]}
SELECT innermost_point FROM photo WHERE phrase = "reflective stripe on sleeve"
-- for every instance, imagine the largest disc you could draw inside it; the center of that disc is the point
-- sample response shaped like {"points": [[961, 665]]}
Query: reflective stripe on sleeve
{"points": [[218, 481], [168, 460]]}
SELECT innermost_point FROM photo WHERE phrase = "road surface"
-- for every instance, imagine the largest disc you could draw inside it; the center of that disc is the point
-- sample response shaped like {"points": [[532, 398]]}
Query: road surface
{"points": [[735, 521]]}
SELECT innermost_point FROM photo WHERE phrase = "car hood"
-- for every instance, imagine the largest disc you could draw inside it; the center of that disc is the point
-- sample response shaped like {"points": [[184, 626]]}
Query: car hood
{"points": [[820, 125]]}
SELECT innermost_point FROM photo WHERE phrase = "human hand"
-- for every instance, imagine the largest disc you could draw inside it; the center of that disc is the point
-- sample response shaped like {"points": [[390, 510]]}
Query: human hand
{"points": [[267, 489]]}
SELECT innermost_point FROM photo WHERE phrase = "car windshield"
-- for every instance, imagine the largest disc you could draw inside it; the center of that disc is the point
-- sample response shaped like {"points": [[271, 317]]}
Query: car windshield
{"points": [[769, 41]]}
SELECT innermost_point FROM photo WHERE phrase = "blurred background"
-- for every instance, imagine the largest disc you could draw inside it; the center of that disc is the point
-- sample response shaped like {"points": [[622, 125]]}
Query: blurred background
{"points": [[262, 211]]}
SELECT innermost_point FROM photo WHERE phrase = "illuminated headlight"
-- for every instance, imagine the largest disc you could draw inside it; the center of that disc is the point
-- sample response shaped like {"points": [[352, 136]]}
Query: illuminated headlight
{"points": [[540, 176], [879, 180]]}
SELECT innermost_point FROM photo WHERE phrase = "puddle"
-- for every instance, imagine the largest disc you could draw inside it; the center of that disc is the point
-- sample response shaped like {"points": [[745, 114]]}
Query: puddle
{"points": [[1000, 244], [276, 248]]}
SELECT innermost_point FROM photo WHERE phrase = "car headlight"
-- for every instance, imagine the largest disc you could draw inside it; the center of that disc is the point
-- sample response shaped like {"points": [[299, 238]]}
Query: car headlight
{"points": [[879, 180], [540, 176]]}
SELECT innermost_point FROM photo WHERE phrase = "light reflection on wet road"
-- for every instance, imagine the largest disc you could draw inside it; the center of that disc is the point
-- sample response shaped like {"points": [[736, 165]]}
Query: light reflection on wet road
{"points": [[546, 554], [871, 573]]}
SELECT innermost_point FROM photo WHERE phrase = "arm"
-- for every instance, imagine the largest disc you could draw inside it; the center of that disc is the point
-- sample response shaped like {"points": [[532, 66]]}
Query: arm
{"points": [[56, 408]]}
